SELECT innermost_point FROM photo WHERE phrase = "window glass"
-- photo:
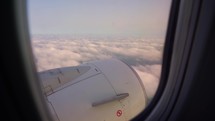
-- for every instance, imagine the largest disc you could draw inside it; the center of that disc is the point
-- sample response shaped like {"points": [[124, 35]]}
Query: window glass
{"points": [[69, 33]]}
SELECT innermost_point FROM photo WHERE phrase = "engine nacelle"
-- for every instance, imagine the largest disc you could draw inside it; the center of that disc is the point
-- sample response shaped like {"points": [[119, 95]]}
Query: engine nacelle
{"points": [[107, 90]]}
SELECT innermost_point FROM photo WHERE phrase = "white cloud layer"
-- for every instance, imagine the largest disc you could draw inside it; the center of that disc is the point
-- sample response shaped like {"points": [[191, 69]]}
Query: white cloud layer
{"points": [[143, 55]]}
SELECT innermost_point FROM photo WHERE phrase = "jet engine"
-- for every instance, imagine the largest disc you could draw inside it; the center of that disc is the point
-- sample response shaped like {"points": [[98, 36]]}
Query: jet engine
{"points": [[105, 90]]}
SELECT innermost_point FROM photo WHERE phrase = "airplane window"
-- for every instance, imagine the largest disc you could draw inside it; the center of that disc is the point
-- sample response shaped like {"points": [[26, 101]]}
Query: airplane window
{"points": [[98, 59]]}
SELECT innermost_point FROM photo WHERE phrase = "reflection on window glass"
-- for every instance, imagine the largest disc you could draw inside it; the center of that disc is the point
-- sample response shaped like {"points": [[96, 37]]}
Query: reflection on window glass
{"points": [[69, 34]]}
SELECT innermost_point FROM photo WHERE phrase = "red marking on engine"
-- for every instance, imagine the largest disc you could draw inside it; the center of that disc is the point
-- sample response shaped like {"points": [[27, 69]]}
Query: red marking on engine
{"points": [[119, 113]]}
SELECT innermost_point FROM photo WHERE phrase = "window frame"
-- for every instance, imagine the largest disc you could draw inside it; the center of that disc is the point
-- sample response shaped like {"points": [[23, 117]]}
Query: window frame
{"points": [[181, 28], [174, 70]]}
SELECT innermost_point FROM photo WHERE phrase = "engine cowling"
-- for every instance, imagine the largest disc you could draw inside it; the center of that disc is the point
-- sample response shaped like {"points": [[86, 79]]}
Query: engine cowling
{"points": [[98, 90]]}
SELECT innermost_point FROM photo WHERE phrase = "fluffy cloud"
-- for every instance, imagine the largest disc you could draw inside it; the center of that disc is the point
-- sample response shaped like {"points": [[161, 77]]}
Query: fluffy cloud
{"points": [[143, 55], [150, 75]]}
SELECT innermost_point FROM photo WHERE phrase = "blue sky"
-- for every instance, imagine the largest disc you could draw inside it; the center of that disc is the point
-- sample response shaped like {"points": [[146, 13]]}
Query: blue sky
{"points": [[145, 18]]}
